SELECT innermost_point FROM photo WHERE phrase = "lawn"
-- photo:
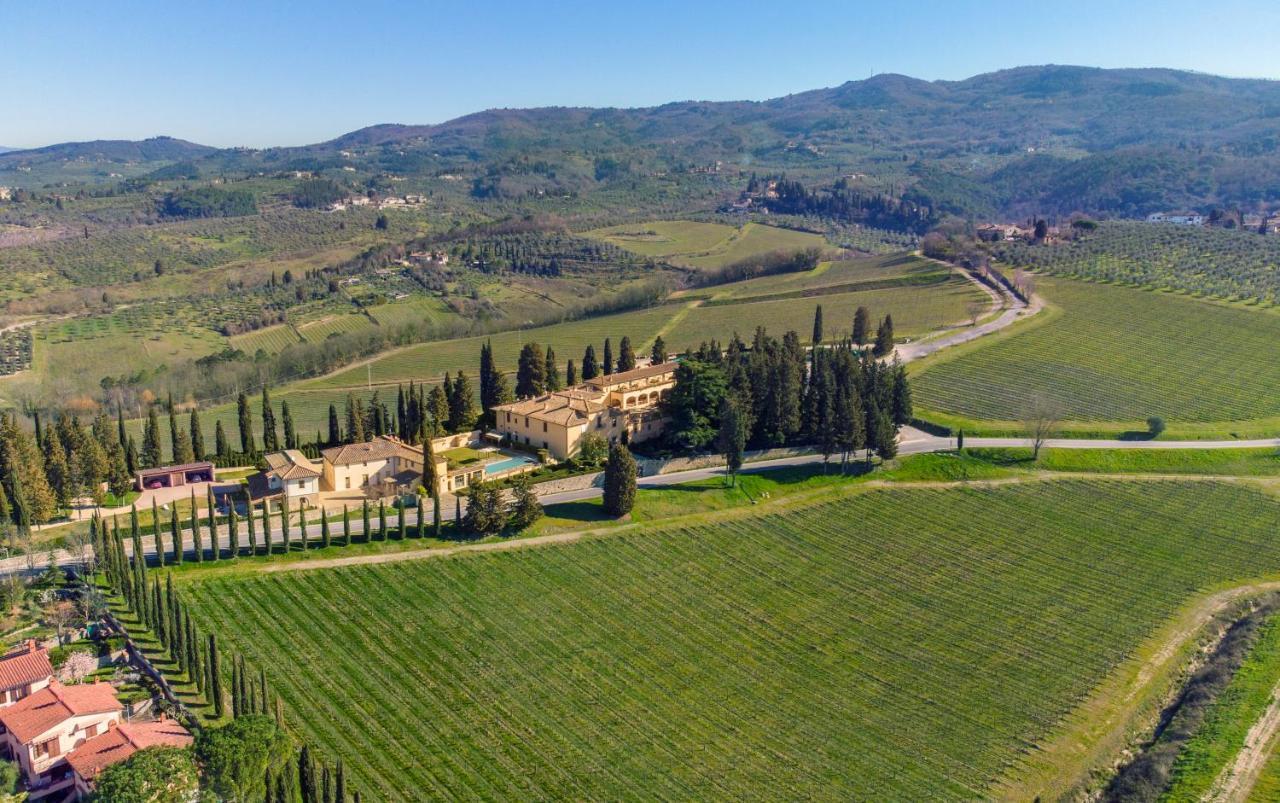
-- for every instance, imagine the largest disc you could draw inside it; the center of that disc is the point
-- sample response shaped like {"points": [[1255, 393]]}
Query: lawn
{"points": [[901, 644], [1112, 357]]}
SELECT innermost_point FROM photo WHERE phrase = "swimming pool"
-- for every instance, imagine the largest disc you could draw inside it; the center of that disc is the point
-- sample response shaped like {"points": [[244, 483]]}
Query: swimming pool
{"points": [[508, 464]]}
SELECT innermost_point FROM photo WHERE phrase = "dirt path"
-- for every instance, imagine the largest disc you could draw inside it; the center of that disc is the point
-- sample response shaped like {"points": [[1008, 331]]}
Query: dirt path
{"points": [[1236, 781], [1100, 728]]}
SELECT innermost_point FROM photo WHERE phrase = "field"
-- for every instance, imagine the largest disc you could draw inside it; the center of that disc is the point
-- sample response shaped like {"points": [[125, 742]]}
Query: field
{"points": [[915, 310], [705, 245], [1119, 355], [1240, 265], [272, 339], [884, 644]]}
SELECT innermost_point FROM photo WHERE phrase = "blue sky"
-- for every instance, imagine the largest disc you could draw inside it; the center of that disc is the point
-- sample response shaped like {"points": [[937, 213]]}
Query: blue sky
{"points": [[284, 73]]}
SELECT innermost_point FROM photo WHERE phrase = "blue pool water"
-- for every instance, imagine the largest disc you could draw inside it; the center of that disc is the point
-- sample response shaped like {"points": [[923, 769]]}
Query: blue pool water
{"points": [[507, 465]]}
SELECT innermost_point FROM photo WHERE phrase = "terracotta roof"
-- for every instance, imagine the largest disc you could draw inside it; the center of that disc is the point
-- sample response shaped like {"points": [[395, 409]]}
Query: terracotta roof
{"points": [[259, 486], [562, 407], [37, 713], [632, 375], [122, 741], [291, 465], [25, 665], [380, 448]]}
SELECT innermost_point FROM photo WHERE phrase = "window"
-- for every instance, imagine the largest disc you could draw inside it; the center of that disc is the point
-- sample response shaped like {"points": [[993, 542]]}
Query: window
{"points": [[364, 480], [348, 483], [544, 426], [544, 444], [48, 747], [508, 416]]}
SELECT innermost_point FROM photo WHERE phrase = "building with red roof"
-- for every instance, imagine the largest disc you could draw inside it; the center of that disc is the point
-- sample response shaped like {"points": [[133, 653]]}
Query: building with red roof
{"points": [[23, 672], [39, 730], [117, 744]]}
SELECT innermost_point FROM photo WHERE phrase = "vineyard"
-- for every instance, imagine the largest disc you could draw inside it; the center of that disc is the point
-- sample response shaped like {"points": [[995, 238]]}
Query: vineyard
{"points": [[1116, 354], [890, 644], [705, 245], [1198, 260]]}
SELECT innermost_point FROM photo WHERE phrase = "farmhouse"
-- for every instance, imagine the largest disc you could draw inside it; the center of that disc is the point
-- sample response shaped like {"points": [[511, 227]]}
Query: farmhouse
{"points": [[291, 477], [117, 744], [618, 406], [42, 728], [23, 672], [1182, 219], [382, 466]]}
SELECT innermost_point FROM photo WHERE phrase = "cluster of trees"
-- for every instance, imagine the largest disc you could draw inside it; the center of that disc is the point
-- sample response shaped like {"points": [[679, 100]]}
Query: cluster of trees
{"points": [[538, 372], [208, 202], [843, 203], [45, 470], [759, 265], [488, 513], [315, 193], [251, 757], [775, 392]]}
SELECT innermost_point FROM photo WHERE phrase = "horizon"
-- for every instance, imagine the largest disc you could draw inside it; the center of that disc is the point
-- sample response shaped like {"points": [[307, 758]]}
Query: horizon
{"points": [[271, 77]]}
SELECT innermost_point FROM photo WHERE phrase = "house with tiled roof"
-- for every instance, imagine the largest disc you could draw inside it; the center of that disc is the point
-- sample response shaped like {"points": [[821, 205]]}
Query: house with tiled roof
{"points": [[382, 466], [40, 730], [290, 477], [23, 672], [616, 406], [119, 743]]}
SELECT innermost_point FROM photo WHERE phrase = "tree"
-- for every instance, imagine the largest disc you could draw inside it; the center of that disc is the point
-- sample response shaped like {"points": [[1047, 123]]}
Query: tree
{"points": [[590, 368], [290, 436], [659, 352], [619, 481], [221, 447], [607, 367], [884, 338], [484, 515], [731, 440], [626, 355], [438, 407], [235, 757], [335, 429], [886, 435], [151, 440], [270, 438], [215, 675], [381, 223], [525, 508], [817, 325], [531, 371], [1155, 426], [552, 371], [861, 325], [1039, 419], [699, 389], [437, 523], [902, 411], [570, 374], [246, 423], [462, 405], [178, 443], [593, 450], [152, 775], [355, 421]]}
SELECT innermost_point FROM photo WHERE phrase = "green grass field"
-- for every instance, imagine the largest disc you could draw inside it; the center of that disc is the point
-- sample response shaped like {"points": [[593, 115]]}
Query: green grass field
{"points": [[272, 339], [705, 245], [1115, 355], [883, 644]]}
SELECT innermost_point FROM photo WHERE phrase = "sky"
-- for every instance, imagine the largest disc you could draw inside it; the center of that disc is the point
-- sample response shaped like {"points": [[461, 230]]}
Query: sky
{"points": [[289, 73]]}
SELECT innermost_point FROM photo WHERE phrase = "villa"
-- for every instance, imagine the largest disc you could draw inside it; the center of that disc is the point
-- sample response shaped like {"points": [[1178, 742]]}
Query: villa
{"points": [[23, 672], [42, 728], [617, 406]]}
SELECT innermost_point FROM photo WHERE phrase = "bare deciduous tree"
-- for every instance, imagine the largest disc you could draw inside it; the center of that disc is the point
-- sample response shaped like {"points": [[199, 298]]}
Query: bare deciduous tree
{"points": [[975, 309], [1040, 418]]}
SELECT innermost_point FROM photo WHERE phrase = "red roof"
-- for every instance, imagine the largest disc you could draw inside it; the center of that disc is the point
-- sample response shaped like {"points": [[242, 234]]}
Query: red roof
{"points": [[122, 741], [56, 703], [25, 665]]}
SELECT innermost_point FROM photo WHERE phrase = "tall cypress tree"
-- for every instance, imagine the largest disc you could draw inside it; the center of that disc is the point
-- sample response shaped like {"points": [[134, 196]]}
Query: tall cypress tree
{"points": [[590, 368], [346, 525], [284, 525], [215, 678], [290, 436], [176, 437], [175, 534], [570, 375], [659, 353], [302, 526], [861, 326], [212, 522], [196, 544], [552, 371], [365, 532], [151, 440], [155, 532], [607, 368], [253, 530], [437, 525], [339, 784], [421, 529], [884, 338], [382, 520], [270, 438], [266, 527], [245, 420], [197, 435], [626, 355], [401, 531], [233, 529], [335, 429], [221, 449]]}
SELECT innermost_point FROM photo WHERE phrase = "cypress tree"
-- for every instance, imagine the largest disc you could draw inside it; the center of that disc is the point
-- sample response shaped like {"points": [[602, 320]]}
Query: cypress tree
{"points": [[221, 449], [197, 436], [817, 325], [626, 355], [161, 627], [197, 545], [590, 369], [215, 678], [235, 689], [364, 513], [659, 353], [175, 534], [266, 527], [382, 520], [307, 776], [421, 529], [457, 513], [194, 672], [335, 430], [263, 701], [619, 481], [176, 437], [401, 531], [861, 326], [325, 540], [253, 529], [884, 338], [270, 437], [340, 784], [151, 440], [155, 532], [326, 786], [607, 368], [552, 371], [284, 525], [570, 375], [346, 525], [531, 371], [233, 529], [436, 523], [245, 420], [302, 526], [212, 521]]}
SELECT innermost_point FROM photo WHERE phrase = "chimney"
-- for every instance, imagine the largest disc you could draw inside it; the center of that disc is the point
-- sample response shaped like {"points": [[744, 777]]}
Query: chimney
{"points": [[31, 645]]}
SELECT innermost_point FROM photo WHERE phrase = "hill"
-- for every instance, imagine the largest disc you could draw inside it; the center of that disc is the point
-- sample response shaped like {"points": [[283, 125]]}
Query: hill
{"points": [[1045, 140]]}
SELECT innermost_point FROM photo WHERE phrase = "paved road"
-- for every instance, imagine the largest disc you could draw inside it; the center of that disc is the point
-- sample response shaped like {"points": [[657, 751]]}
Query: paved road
{"points": [[912, 441]]}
